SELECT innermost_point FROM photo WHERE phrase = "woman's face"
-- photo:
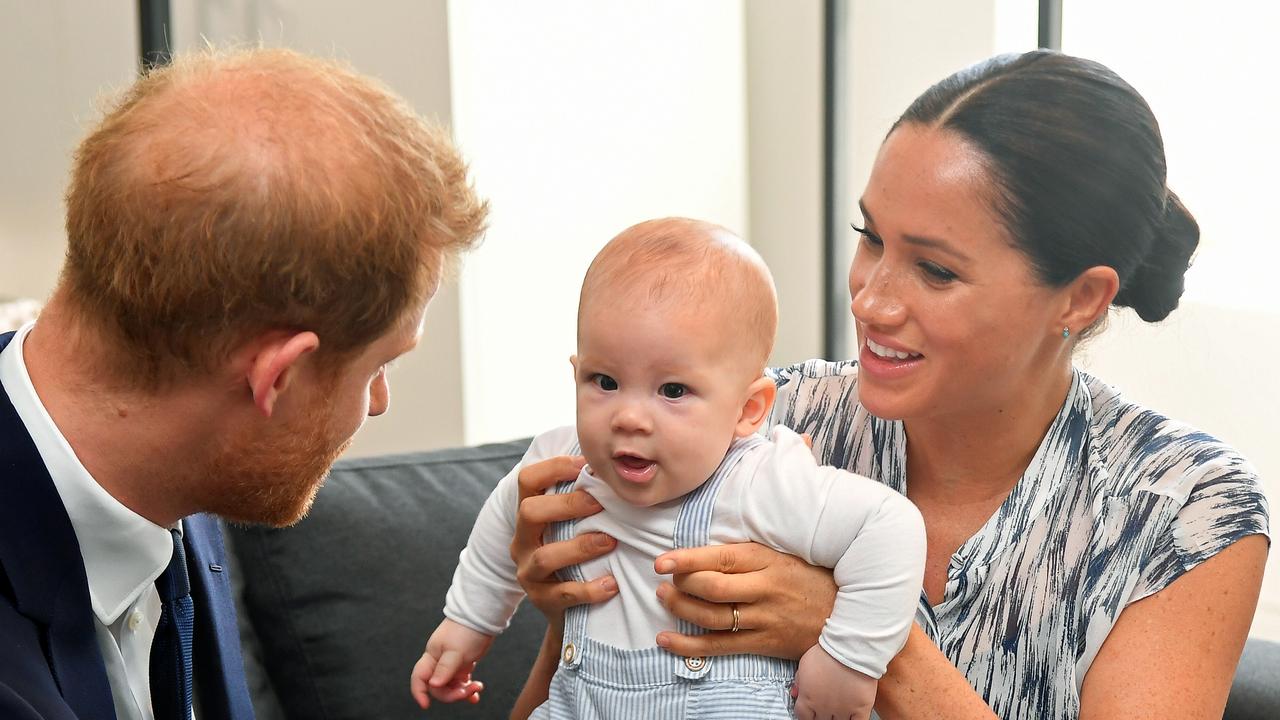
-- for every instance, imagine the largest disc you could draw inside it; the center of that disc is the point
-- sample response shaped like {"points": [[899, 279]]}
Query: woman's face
{"points": [[951, 320]]}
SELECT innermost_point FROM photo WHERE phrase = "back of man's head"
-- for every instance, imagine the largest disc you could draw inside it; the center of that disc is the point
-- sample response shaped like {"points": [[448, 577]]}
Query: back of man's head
{"points": [[233, 193]]}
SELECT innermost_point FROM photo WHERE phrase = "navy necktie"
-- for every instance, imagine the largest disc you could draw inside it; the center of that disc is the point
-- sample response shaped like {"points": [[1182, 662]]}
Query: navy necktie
{"points": [[171, 650]]}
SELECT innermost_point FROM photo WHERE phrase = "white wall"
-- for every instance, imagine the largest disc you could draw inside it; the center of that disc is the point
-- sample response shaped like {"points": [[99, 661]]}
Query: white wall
{"points": [[1200, 67], [580, 118], [57, 57], [784, 54], [1211, 364]]}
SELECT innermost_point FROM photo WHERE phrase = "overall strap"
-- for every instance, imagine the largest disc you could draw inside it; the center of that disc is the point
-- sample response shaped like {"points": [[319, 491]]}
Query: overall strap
{"points": [[693, 529], [575, 618]]}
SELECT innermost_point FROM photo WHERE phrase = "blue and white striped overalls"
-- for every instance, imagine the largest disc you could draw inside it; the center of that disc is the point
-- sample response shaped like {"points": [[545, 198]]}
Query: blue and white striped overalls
{"points": [[599, 681]]}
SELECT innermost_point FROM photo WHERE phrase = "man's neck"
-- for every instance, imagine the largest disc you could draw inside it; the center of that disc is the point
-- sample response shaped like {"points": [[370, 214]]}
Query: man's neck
{"points": [[139, 447]]}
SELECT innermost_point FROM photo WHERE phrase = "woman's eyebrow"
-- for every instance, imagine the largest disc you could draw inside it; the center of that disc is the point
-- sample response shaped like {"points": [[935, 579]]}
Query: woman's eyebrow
{"points": [[940, 245]]}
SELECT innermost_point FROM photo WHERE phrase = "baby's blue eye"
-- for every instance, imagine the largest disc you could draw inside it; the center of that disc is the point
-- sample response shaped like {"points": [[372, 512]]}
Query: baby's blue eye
{"points": [[672, 391], [605, 382]]}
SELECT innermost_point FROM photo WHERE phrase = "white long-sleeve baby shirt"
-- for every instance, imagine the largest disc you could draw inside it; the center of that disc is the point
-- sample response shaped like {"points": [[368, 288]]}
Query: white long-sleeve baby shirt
{"points": [[777, 495]]}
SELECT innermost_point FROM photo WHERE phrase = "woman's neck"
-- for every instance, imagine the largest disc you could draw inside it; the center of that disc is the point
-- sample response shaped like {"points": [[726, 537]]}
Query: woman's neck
{"points": [[977, 456]]}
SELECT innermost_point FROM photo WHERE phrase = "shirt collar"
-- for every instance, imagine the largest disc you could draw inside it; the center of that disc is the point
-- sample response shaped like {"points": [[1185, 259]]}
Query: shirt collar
{"points": [[123, 552]]}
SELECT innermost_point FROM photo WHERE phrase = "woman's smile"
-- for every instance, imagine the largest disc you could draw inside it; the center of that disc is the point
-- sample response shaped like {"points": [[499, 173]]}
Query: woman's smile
{"points": [[882, 363], [888, 353]]}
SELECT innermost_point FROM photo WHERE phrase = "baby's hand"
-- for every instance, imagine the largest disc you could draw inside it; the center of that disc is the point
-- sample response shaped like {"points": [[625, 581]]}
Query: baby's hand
{"points": [[824, 688], [444, 670]]}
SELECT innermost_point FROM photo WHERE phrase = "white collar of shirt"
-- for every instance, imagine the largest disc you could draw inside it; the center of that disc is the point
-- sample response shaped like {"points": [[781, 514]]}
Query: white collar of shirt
{"points": [[123, 552]]}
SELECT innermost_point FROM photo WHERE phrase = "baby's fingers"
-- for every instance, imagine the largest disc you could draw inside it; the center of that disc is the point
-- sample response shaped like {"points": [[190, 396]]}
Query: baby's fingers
{"points": [[418, 680], [472, 691], [446, 668], [457, 690]]}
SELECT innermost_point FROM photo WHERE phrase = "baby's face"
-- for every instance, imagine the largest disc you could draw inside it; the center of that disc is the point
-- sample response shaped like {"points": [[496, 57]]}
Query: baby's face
{"points": [[659, 393]]}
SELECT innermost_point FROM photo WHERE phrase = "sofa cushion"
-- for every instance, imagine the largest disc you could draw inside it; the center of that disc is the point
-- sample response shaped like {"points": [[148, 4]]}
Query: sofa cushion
{"points": [[343, 602], [337, 608], [1255, 692]]}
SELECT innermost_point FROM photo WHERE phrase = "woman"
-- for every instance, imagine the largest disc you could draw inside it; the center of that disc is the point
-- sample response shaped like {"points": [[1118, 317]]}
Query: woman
{"points": [[1086, 557]]}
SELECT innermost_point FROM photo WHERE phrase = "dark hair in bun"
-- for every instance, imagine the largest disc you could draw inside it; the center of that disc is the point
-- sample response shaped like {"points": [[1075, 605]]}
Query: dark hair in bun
{"points": [[1079, 169], [1157, 281]]}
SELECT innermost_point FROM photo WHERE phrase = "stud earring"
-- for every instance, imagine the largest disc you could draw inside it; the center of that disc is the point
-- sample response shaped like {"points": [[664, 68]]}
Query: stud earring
{"points": [[1066, 333]]}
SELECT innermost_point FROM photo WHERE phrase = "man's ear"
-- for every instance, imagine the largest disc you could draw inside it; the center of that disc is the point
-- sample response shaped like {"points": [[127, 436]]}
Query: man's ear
{"points": [[1088, 297], [274, 364], [755, 410]]}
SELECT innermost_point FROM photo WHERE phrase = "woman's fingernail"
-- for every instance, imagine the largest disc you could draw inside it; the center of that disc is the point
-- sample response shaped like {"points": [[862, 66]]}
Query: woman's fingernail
{"points": [[663, 591], [663, 640], [592, 503], [602, 541], [609, 585], [664, 566]]}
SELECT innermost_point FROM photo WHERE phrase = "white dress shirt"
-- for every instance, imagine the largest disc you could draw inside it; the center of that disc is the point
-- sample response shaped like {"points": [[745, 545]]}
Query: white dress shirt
{"points": [[123, 552]]}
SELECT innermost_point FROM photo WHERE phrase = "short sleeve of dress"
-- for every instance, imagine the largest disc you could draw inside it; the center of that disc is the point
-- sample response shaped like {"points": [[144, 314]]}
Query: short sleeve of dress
{"points": [[814, 395], [1225, 504]]}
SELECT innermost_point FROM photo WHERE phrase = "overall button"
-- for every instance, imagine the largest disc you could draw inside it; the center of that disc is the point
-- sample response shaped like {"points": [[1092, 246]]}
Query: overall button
{"points": [[569, 652], [695, 663]]}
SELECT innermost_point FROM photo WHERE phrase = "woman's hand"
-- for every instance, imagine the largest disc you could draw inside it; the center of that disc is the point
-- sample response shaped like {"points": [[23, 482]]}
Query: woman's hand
{"points": [[536, 563], [782, 602]]}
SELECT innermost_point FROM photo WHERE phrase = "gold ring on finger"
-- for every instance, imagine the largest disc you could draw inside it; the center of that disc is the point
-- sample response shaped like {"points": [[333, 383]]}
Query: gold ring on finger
{"points": [[736, 617]]}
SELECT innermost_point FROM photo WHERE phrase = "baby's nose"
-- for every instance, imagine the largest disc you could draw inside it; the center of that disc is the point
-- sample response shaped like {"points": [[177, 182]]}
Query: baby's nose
{"points": [[632, 418]]}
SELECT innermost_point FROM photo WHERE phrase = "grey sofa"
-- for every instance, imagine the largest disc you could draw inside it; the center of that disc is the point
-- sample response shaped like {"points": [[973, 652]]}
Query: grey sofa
{"points": [[336, 609]]}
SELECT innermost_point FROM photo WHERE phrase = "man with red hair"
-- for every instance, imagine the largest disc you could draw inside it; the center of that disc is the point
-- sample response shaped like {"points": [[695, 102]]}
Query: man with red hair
{"points": [[252, 237]]}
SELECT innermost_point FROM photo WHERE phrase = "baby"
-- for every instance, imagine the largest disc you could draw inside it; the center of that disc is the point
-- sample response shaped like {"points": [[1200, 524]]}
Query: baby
{"points": [[675, 324]]}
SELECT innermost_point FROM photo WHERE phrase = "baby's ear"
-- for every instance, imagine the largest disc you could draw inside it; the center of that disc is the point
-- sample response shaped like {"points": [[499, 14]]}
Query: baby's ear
{"points": [[755, 409]]}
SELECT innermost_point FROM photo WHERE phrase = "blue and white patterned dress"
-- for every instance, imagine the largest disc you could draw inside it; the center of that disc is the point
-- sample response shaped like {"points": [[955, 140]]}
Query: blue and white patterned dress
{"points": [[1117, 503]]}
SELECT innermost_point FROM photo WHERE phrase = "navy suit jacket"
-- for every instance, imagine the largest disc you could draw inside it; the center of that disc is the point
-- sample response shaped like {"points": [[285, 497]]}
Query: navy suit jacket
{"points": [[50, 666]]}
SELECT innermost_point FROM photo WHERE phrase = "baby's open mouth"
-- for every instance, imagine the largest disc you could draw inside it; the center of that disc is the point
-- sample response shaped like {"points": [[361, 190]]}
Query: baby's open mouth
{"points": [[634, 468]]}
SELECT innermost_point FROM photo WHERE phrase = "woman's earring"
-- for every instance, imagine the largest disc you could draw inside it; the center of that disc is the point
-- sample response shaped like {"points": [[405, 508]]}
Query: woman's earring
{"points": [[1066, 333]]}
